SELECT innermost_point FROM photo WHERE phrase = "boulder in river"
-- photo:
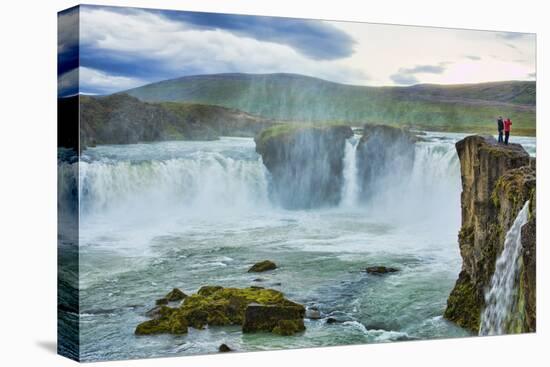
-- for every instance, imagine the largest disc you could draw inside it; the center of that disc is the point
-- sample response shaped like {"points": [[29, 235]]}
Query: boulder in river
{"points": [[218, 306], [224, 348], [380, 270], [262, 266]]}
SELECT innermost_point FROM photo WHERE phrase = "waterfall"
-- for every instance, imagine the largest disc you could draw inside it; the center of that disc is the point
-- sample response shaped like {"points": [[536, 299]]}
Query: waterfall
{"points": [[428, 192], [501, 295], [205, 182], [350, 186]]}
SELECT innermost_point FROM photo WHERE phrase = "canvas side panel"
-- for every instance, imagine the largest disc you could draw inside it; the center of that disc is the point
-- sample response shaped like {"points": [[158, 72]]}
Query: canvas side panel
{"points": [[68, 327]]}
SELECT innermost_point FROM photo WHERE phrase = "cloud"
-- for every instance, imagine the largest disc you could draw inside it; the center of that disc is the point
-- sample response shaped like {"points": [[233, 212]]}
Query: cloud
{"points": [[403, 79], [407, 76], [67, 83], [67, 51], [139, 45], [512, 35], [532, 75], [97, 82], [312, 38], [473, 57]]}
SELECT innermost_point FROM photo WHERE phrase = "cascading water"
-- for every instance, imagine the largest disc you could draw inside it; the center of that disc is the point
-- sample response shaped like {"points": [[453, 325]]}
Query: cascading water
{"points": [[350, 187], [430, 190], [195, 182], [500, 297]]}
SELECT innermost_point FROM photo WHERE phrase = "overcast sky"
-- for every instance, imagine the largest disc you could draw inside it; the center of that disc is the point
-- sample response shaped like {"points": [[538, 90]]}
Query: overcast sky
{"points": [[122, 48]]}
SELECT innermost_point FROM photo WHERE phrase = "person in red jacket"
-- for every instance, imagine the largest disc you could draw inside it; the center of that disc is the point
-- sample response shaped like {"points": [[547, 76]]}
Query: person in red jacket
{"points": [[507, 128]]}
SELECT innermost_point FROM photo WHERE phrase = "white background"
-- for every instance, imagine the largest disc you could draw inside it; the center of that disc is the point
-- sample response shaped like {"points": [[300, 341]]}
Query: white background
{"points": [[28, 182]]}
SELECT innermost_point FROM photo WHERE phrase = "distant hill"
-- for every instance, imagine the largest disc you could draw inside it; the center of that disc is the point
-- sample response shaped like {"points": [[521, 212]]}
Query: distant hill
{"points": [[122, 119], [292, 97]]}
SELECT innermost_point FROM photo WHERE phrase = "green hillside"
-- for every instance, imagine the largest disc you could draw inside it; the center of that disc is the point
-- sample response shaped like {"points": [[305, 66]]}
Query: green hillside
{"points": [[290, 97]]}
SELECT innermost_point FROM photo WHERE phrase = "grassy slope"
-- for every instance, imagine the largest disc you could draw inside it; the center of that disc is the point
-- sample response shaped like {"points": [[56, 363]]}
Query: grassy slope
{"points": [[287, 97]]}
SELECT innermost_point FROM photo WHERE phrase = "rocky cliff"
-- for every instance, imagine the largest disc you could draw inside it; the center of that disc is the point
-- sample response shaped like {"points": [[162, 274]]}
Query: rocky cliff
{"points": [[305, 163], [497, 180], [383, 153], [122, 119]]}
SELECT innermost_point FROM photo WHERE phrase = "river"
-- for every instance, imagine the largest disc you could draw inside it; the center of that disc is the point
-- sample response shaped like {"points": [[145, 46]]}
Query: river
{"points": [[186, 214]]}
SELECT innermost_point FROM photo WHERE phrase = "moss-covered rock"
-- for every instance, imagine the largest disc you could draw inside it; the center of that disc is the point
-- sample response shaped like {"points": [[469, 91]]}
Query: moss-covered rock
{"points": [[305, 162], [497, 180], [218, 306], [174, 295], [167, 321], [262, 266], [527, 295], [464, 303]]}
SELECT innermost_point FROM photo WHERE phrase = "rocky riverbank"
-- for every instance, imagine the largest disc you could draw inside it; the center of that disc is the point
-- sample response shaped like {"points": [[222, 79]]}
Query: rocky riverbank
{"points": [[497, 180]]}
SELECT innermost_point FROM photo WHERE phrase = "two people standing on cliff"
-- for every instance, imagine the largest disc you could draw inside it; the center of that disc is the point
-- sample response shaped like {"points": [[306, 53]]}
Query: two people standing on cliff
{"points": [[504, 126]]}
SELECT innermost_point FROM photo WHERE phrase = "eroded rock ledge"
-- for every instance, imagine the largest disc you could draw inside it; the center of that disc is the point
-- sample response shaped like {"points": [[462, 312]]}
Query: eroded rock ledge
{"points": [[305, 163], [497, 180], [383, 151]]}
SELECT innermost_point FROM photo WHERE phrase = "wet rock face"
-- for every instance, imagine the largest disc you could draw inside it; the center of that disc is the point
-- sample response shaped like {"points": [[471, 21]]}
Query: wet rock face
{"points": [[497, 180], [382, 153], [305, 164], [255, 308], [527, 289]]}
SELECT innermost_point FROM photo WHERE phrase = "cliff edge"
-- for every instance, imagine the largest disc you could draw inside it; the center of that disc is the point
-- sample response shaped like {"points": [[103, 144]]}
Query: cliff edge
{"points": [[497, 180]]}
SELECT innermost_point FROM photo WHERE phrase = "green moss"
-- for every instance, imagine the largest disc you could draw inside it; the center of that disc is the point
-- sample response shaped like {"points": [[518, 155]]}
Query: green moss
{"points": [[289, 327], [286, 130], [464, 304], [175, 295], [168, 322], [217, 306]]}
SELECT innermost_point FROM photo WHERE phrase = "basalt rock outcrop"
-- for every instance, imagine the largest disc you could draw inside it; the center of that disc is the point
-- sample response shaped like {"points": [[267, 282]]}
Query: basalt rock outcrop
{"points": [[383, 153], [497, 180], [305, 163], [255, 309]]}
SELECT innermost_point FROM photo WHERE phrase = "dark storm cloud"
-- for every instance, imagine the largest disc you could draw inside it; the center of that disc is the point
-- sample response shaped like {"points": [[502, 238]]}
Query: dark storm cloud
{"points": [[407, 76], [306, 41], [312, 38], [67, 52]]}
